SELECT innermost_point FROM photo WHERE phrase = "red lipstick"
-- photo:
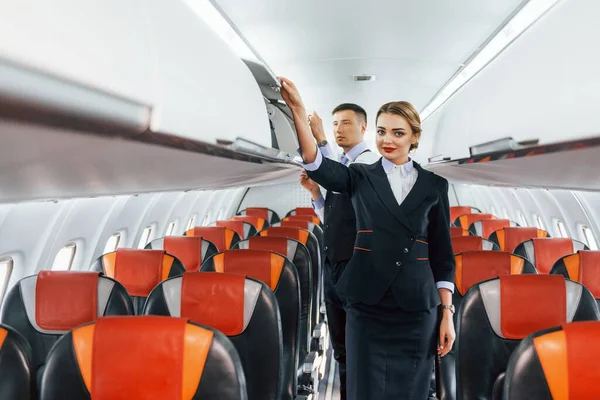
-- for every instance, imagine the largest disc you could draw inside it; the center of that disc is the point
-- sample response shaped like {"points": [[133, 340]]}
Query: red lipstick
{"points": [[388, 149]]}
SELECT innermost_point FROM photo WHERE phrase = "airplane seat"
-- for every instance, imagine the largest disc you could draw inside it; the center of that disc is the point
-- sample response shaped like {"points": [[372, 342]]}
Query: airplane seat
{"points": [[509, 238], [486, 227], [456, 231], [258, 223], [261, 212], [242, 308], [190, 250], [312, 244], [312, 227], [495, 315], [471, 243], [298, 254], [306, 218], [222, 238], [543, 253], [457, 211], [556, 363], [302, 211], [582, 267], [16, 380], [45, 306], [143, 357], [242, 228], [473, 267], [280, 275], [139, 271], [464, 221]]}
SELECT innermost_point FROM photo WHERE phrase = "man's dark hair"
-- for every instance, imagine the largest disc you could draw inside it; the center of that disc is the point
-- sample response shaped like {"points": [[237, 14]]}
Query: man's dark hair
{"points": [[352, 107]]}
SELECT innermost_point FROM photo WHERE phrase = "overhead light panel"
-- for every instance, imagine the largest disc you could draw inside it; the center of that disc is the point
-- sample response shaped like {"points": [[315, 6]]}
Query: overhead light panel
{"points": [[522, 20], [222, 26]]}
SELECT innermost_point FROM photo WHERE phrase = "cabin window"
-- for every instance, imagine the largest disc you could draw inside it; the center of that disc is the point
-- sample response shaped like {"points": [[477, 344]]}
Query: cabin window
{"points": [[562, 230], [113, 243], [191, 223], [506, 216], [221, 213], [145, 237], [64, 259], [170, 229], [494, 213], [206, 219], [589, 238], [6, 268], [523, 220], [538, 221]]}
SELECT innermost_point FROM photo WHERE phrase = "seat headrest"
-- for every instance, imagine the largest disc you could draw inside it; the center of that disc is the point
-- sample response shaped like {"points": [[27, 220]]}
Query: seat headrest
{"points": [[517, 305], [138, 270], [297, 224], [281, 245], [190, 250], [457, 211], [457, 231], [65, 299], [509, 238], [545, 252], [582, 267], [298, 234], [260, 212], [262, 265], [465, 220], [473, 267], [239, 227], [220, 236], [486, 227], [256, 222], [57, 301], [304, 211], [308, 218], [471, 243], [568, 362], [141, 357], [220, 300]]}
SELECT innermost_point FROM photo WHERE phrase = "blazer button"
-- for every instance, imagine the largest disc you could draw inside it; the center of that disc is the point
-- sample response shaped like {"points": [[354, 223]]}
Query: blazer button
{"points": [[405, 250], [412, 238], [326, 248], [398, 263]]}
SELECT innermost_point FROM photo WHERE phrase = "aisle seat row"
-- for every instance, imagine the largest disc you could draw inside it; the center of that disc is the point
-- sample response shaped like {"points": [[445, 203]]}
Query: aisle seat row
{"points": [[266, 313], [520, 282]]}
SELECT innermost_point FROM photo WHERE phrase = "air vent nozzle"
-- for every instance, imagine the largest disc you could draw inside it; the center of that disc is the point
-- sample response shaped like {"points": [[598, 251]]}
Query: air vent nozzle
{"points": [[363, 78]]}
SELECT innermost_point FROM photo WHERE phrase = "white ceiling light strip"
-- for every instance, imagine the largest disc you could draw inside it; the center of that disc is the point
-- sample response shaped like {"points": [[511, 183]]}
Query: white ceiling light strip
{"points": [[218, 21], [522, 20]]}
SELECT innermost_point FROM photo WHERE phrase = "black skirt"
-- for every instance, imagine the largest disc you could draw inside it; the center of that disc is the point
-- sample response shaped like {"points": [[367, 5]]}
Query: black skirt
{"points": [[389, 352]]}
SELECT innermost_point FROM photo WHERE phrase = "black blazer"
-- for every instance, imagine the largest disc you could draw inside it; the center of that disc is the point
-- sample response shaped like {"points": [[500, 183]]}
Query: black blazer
{"points": [[405, 248]]}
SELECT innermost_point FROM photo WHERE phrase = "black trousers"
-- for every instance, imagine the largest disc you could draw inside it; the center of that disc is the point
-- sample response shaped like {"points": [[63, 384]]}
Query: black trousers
{"points": [[336, 317], [389, 352]]}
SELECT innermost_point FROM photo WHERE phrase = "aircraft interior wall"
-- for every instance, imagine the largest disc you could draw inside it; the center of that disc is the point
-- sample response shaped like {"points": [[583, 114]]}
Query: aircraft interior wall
{"points": [[32, 234]]}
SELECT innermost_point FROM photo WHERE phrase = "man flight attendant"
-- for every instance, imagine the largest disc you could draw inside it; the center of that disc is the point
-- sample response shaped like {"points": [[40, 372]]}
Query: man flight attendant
{"points": [[337, 214]]}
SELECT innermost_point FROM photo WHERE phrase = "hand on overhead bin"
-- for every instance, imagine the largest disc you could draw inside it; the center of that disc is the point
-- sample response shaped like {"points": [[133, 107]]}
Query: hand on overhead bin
{"points": [[291, 95], [316, 126]]}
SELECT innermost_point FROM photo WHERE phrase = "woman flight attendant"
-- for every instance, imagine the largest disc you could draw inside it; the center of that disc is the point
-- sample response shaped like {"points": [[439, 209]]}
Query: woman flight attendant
{"points": [[402, 268]]}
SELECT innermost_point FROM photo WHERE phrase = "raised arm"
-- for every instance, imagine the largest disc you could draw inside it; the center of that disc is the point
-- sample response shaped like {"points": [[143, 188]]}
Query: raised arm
{"points": [[327, 173]]}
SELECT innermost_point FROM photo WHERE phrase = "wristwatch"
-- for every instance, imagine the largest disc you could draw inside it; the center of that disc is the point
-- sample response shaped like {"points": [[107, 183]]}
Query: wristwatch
{"points": [[323, 143], [450, 307]]}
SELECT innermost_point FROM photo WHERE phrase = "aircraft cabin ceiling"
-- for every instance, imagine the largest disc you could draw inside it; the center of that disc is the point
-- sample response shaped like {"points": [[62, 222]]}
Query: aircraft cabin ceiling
{"points": [[412, 47]]}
